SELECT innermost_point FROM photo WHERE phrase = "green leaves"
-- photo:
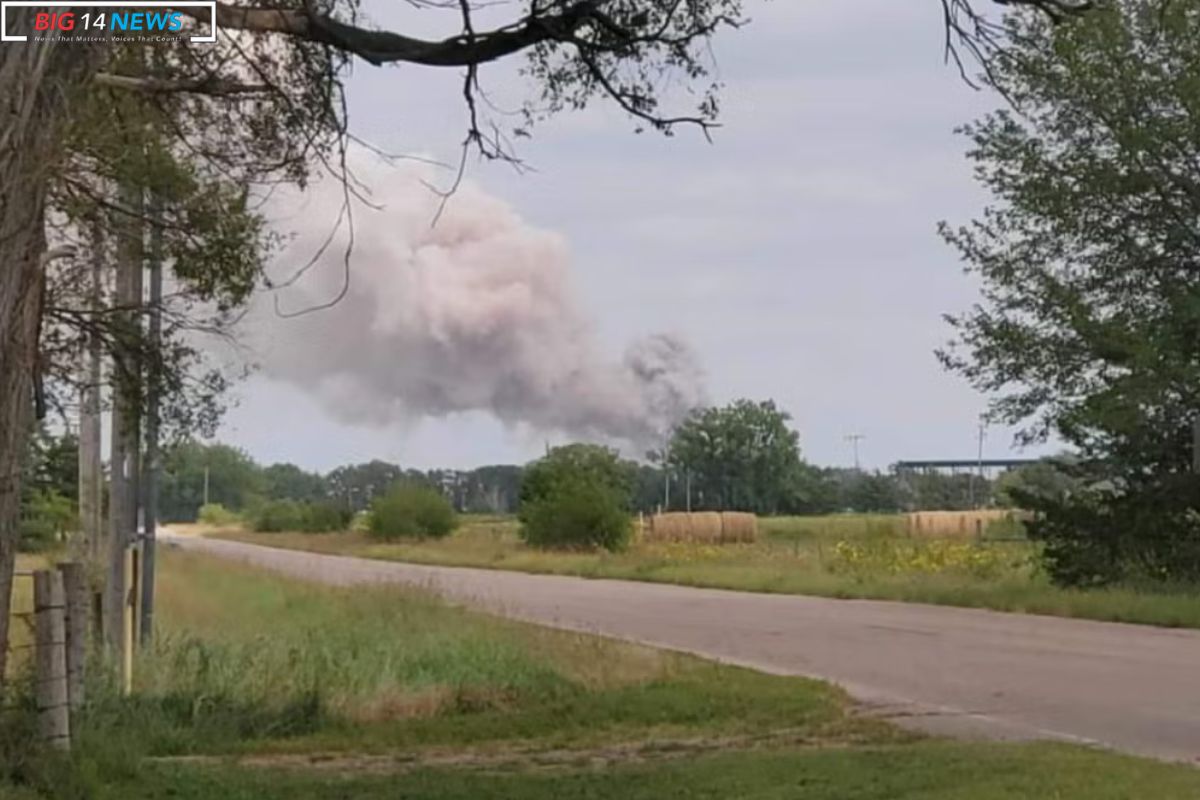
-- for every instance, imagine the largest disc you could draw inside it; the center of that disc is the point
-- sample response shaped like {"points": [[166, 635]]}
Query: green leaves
{"points": [[1088, 258], [740, 457], [1090, 265]]}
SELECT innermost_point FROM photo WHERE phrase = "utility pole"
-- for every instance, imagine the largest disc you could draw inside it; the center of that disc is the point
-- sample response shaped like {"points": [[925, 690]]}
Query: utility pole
{"points": [[126, 441], [854, 439], [206, 483], [91, 503], [666, 468], [152, 419], [1196, 445], [979, 466]]}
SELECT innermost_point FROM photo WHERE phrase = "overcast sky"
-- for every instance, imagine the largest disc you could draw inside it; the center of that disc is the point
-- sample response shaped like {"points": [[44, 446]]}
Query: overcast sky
{"points": [[797, 253]]}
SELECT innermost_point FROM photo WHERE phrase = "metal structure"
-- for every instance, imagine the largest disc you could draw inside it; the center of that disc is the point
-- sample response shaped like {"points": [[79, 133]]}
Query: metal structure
{"points": [[955, 465]]}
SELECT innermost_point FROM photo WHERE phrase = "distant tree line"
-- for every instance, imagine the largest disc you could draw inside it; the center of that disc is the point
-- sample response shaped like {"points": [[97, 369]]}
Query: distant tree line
{"points": [[234, 480], [743, 457]]}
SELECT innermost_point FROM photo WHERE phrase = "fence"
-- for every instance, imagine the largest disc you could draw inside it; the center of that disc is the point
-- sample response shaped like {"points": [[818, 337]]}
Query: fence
{"points": [[60, 621]]}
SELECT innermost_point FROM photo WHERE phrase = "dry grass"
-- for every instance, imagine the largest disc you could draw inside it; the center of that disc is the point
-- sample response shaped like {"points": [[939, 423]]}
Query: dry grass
{"points": [[20, 632], [800, 555]]}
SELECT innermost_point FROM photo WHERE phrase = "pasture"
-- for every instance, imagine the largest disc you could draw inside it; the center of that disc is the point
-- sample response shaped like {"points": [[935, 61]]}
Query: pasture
{"points": [[266, 687], [874, 556]]}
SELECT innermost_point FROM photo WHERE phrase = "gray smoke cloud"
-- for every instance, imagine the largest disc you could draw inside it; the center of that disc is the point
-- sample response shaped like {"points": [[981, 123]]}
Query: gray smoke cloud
{"points": [[474, 313]]}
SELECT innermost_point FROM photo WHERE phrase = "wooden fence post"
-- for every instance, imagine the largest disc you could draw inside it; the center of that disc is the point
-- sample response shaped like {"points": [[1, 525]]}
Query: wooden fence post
{"points": [[75, 589], [54, 713]]}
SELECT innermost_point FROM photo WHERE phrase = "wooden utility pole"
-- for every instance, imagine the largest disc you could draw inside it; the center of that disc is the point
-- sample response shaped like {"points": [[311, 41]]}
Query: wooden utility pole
{"points": [[53, 704], [152, 466], [124, 494], [1196, 445], [91, 505]]}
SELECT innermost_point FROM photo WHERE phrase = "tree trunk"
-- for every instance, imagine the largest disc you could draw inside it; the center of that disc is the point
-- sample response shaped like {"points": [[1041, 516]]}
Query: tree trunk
{"points": [[36, 77]]}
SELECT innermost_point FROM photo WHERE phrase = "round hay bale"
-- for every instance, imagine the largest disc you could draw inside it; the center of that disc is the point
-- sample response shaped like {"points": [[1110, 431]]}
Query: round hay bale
{"points": [[668, 528], [706, 527], [737, 526]]}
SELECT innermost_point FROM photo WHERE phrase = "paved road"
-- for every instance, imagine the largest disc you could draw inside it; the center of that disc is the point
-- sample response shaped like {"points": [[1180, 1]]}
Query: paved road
{"points": [[963, 672]]}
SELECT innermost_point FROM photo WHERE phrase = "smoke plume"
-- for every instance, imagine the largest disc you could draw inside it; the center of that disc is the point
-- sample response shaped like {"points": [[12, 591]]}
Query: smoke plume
{"points": [[475, 312]]}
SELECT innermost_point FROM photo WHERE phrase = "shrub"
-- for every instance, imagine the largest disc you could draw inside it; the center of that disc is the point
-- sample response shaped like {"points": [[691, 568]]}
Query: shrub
{"points": [[216, 514], [1135, 533], [288, 515], [411, 511], [577, 515], [325, 517], [576, 463], [277, 515]]}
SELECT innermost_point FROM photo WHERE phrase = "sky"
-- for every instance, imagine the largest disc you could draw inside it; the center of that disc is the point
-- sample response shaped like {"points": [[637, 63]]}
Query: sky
{"points": [[796, 253]]}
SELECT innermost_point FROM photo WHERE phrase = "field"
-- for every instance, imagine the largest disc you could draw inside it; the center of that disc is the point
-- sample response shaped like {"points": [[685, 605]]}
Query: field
{"points": [[20, 632], [850, 556], [265, 687]]}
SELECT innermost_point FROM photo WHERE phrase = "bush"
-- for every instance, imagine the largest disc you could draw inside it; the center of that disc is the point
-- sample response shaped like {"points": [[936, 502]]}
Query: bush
{"points": [[288, 515], [577, 515], [216, 514], [576, 463], [275, 516], [411, 511], [325, 517], [1135, 533]]}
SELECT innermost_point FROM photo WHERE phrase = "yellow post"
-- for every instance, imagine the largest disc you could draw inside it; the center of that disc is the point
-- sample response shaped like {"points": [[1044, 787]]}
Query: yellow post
{"points": [[127, 617]]}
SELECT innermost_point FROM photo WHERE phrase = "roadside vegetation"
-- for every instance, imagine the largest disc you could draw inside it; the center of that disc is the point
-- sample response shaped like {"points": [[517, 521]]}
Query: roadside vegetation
{"points": [[411, 511], [847, 556], [265, 687]]}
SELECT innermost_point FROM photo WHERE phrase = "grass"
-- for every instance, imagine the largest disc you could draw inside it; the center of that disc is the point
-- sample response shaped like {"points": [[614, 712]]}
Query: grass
{"points": [[20, 634], [267, 687], [933, 771], [846, 556]]}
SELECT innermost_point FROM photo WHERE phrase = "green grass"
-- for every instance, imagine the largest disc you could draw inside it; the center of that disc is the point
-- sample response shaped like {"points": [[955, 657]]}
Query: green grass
{"points": [[798, 555], [927, 771], [247, 660], [267, 687]]}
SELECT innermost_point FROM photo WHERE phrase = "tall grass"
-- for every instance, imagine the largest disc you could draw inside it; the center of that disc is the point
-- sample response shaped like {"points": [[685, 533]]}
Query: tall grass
{"points": [[249, 660]]}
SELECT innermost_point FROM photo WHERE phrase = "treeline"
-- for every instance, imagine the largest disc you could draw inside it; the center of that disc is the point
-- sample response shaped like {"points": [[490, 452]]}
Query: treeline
{"points": [[742, 457], [227, 476]]}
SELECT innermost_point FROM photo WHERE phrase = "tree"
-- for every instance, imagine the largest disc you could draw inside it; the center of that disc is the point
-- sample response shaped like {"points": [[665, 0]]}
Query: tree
{"points": [[232, 477], [53, 464], [1048, 480], [814, 490], [740, 457], [1090, 323], [577, 497], [870, 492], [289, 482], [577, 463], [356, 485], [49, 490]]}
